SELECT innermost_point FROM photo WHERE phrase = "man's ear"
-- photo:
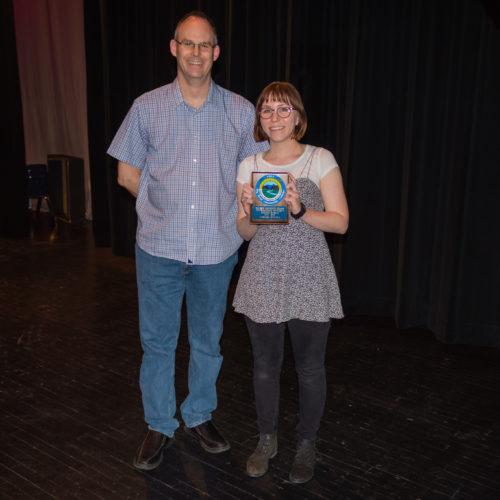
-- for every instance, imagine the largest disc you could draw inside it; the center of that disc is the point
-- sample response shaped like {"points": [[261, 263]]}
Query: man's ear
{"points": [[173, 47], [216, 52]]}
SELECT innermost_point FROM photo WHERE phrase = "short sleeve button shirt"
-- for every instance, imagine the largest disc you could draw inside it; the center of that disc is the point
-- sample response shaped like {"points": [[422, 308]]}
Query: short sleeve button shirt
{"points": [[186, 204]]}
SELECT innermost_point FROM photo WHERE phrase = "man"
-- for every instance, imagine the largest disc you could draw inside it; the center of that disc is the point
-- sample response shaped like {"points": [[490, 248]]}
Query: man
{"points": [[178, 150]]}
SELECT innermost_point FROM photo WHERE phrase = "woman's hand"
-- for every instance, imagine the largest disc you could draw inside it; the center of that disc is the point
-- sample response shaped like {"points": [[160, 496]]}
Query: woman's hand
{"points": [[246, 198], [244, 195], [292, 196]]}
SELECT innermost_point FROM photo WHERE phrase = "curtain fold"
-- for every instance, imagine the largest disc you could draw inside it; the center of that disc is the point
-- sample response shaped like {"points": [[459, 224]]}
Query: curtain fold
{"points": [[14, 220]]}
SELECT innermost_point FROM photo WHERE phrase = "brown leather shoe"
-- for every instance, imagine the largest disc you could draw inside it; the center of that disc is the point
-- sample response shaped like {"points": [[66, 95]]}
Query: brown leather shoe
{"points": [[150, 453], [208, 437]]}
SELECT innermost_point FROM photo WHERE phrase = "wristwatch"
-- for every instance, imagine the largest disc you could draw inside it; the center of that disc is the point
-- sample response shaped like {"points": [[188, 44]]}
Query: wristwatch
{"points": [[300, 213]]}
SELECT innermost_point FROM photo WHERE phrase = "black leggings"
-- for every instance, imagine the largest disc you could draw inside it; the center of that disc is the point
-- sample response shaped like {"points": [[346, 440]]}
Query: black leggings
{"points": [[308, 340]]}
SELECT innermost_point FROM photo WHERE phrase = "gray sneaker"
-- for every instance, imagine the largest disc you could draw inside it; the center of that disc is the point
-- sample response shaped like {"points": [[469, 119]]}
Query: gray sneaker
{"points": [[258, 462], [303, 465]]}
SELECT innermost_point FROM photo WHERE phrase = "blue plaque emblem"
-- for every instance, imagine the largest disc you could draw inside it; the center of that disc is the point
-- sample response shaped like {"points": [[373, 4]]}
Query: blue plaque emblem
{"points": [[270, 189], [269, 206]]}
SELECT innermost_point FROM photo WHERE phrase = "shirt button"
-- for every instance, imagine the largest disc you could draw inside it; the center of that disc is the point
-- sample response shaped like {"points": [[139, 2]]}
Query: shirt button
{"points": [[194, 183], [192, 206], [195, 160]]}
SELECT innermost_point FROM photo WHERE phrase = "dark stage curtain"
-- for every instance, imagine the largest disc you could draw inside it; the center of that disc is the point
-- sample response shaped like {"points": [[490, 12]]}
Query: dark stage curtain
{"points": [[423, 179], [14, 195], [406, 96]]}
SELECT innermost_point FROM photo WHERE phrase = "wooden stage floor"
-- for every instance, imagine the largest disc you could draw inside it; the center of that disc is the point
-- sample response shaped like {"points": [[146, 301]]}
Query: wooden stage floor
{"points": [[406, 418]]}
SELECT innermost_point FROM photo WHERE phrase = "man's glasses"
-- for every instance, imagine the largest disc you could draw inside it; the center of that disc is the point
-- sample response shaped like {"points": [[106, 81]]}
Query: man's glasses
{"points": [[202, 46], [283, 112]]}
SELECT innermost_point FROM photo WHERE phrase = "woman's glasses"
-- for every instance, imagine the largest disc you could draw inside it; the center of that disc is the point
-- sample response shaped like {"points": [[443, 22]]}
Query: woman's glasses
{"points": [[283, 112]]}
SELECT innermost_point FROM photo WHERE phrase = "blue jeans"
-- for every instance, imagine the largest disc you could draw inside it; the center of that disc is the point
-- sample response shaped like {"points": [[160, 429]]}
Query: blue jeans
{"points": [[161, 285]]}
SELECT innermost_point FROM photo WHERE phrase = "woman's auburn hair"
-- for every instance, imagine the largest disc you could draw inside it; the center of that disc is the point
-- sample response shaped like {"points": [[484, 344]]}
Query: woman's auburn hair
{"points": [[283, 92]]}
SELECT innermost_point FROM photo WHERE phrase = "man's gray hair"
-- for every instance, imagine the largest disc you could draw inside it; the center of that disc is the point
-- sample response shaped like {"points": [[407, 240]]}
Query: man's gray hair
{"points": [[200, 15]]}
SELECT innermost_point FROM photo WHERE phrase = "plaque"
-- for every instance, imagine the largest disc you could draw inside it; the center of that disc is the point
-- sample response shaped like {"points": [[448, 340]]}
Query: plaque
{"points": [[269, 206]]}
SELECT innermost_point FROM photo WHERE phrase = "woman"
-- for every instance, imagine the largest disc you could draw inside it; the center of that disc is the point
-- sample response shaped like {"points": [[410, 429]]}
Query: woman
{"points": [[288, 279]]}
